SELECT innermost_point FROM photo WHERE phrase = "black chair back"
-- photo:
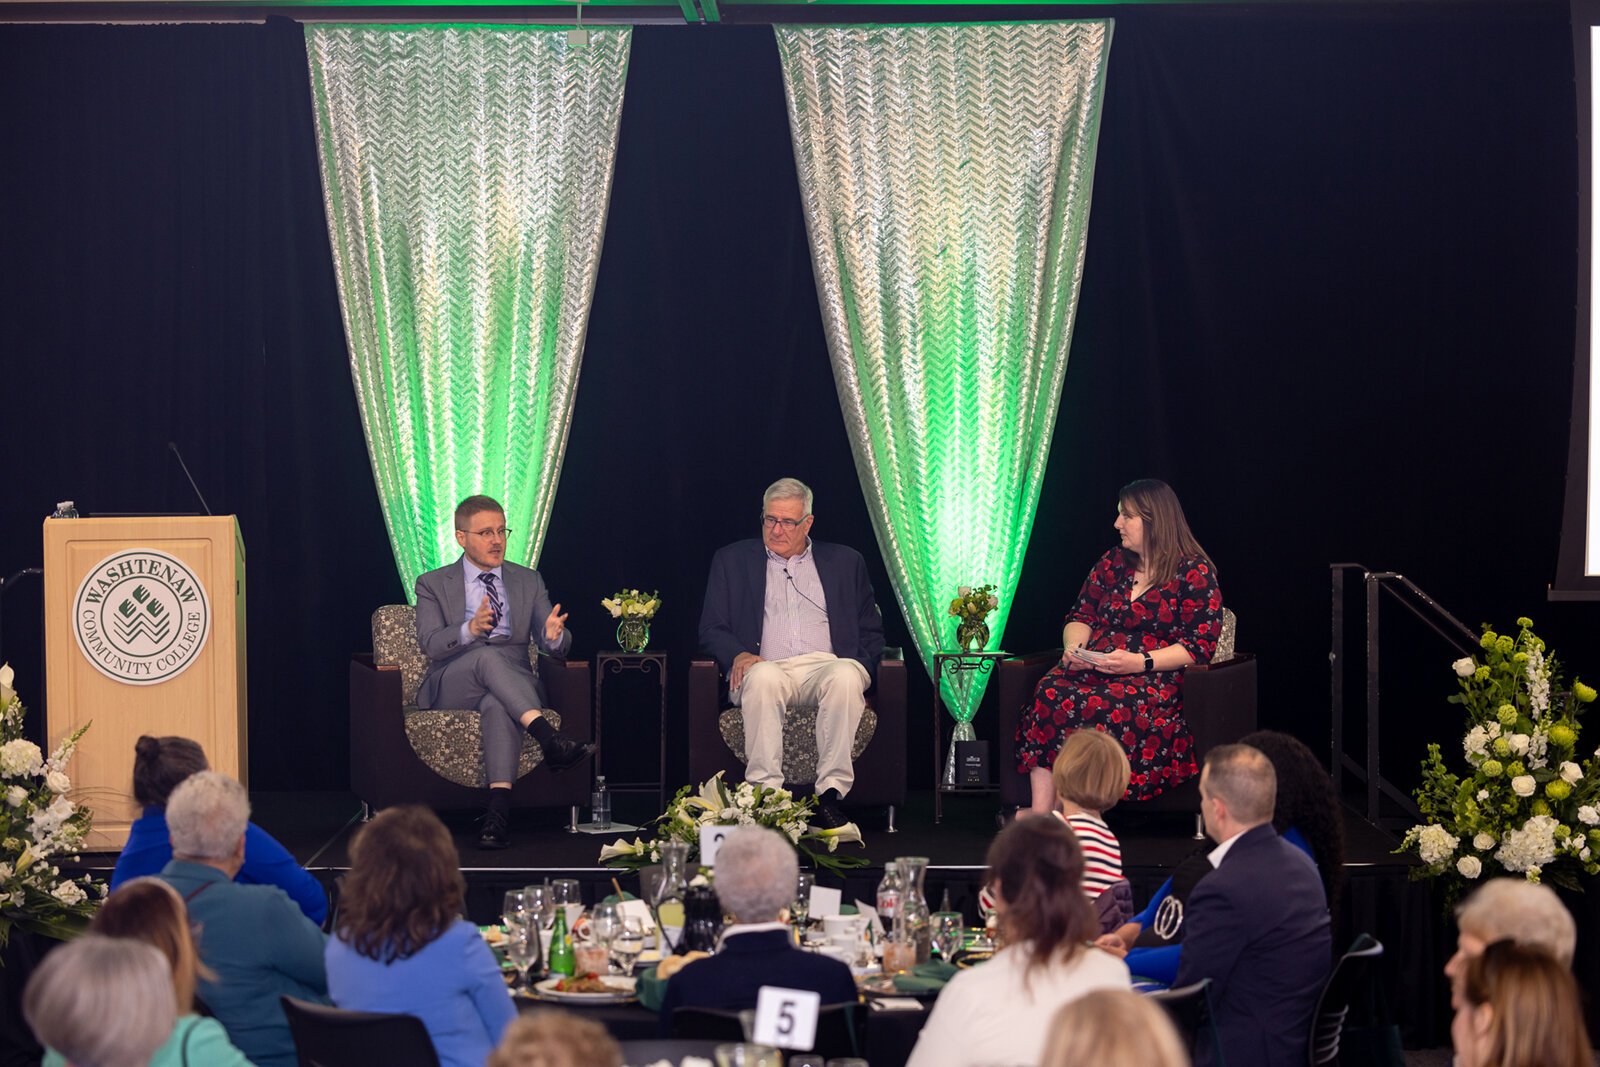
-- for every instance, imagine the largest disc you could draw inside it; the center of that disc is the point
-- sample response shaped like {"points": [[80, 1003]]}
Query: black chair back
{"points": [[332, 1037], [1352, 975], [1189, 1008], [837, 1035]]}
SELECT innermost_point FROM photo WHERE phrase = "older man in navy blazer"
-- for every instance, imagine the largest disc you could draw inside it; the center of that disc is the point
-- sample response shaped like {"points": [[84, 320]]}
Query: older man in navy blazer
{"points": [[475, 620], [793, 620], [756, 874], [1258, 924]]}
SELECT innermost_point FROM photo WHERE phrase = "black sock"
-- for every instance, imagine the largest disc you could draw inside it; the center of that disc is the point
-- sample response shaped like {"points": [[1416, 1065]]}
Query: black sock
{"points": [[542, 731], [500, 802]]}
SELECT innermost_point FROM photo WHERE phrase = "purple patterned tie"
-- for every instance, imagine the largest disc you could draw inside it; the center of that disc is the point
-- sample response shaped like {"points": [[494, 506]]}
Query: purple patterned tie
{"points": [[497, 606]]}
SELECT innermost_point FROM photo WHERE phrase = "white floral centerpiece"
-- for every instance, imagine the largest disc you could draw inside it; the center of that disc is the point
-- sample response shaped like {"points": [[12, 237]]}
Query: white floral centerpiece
{"points": [[716, 803], [1530, 804], [635, 609], [38, 822]]}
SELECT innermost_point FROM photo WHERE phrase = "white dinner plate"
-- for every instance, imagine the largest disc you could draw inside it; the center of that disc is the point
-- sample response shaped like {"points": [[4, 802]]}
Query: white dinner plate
{"points": [[623, 989]]}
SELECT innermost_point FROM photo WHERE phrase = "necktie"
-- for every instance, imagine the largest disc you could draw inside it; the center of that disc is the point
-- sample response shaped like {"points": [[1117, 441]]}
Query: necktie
{"points": [[497, 606]]}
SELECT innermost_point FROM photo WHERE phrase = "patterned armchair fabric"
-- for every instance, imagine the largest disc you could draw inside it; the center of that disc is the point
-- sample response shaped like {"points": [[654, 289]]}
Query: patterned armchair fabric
{"points": [[448, 741], [799, 739]]}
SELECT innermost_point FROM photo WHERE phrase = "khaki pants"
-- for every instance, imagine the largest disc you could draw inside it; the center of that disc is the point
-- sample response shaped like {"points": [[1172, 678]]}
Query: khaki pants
{"points": [[837, 686]]}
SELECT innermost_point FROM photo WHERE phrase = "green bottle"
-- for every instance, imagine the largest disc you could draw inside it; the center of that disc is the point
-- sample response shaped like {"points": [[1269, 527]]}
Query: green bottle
{"points": [[561, 959]]}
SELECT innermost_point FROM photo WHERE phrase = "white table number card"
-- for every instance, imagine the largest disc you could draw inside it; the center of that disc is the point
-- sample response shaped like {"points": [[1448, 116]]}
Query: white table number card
{"points": [[711, 838], [825, 901], [786, 1018]]}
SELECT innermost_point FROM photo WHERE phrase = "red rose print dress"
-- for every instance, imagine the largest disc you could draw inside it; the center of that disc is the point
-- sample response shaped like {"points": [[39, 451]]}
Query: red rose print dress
{"points": [[1143, 710]]}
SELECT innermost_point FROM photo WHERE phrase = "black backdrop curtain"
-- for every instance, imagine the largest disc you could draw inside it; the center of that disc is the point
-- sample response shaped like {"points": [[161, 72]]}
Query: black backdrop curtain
{"points": [[1328, 295]]}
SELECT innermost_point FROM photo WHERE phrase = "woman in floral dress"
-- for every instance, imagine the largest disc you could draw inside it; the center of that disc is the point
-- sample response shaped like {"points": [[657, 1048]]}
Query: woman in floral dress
{"points": [[1149, 608]]}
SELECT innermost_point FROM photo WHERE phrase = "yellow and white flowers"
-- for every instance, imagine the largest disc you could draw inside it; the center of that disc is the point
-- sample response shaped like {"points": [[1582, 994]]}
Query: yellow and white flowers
{"points": [[632, 604]]}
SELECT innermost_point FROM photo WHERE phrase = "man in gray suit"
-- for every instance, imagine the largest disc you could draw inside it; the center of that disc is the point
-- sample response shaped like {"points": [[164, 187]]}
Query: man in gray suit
{"points": [[475, 620]]}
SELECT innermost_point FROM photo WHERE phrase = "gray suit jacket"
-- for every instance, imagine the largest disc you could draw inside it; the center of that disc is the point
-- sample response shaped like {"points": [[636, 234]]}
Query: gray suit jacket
{"points": [[442, 605]]}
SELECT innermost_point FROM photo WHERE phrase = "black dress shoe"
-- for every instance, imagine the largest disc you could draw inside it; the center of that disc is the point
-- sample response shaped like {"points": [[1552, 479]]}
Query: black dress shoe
{"points": [[828, 816], [563, 752], [496, 831]]}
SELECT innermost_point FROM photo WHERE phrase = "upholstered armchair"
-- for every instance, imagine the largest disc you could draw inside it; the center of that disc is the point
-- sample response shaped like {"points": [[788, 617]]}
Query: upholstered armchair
{"points": [[1219, 704], [716, 736], [401, 754]]}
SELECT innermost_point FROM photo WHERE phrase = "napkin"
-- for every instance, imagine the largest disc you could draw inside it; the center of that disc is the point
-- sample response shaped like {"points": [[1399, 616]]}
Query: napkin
{"points": [[650, 989], [927, 977]]}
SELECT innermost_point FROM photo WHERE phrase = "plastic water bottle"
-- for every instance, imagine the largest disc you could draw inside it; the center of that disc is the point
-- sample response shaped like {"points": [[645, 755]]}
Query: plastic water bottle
{"points": [[65, 509], [600, 801]]}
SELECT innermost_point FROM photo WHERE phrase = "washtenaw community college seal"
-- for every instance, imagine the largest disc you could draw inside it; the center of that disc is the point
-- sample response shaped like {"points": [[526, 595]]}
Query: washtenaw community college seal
{"points": [[141, 616]]}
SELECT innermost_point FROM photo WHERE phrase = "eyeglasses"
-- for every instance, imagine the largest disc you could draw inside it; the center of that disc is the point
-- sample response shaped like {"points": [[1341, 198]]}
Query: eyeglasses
{"points": [[772, 522], [488, 532]]}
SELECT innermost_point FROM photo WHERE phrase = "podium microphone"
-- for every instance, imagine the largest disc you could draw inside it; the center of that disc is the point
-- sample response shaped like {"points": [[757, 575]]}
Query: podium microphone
{"points": [[189, 476]]}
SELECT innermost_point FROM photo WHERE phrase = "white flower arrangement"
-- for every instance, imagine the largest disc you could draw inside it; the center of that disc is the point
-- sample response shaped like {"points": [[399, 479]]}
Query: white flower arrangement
{"points": [[37, 822], [1529, 804], [716, 803]]}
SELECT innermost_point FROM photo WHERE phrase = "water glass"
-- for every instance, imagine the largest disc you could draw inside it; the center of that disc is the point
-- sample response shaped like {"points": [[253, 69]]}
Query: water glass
{"points": [[626, 944], [538, 897], [808, 1059], [899, 955], [604, 921], [518, 909], [947, 929]]}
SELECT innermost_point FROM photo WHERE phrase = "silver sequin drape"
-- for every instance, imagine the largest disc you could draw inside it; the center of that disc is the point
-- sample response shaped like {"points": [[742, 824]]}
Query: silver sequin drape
{"points": [[466, 173], [946, 174]]}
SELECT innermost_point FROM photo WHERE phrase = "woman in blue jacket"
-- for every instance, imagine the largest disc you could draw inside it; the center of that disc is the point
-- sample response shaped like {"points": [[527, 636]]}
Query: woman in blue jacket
{"points": [[159, 765]]}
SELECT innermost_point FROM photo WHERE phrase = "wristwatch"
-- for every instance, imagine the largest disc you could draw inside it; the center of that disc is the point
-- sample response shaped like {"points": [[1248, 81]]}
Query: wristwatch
{"points": [[1149, 662]]}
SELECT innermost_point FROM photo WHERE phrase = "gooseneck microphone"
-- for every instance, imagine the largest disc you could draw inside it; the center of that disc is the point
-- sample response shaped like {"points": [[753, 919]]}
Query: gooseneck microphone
{"points": [[172, 445]]}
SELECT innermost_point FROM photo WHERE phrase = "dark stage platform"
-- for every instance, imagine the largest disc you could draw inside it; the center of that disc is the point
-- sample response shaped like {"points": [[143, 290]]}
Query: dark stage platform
{"points": [[1379, 896]]}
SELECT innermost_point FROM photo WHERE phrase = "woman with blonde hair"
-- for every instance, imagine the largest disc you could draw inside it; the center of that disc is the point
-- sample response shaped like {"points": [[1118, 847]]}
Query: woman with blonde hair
{"points": [[151, 911], [1113, 1028], [553, 1038], [401, 945], [1518, 1006], [1149, 608], [1000, 1012]]}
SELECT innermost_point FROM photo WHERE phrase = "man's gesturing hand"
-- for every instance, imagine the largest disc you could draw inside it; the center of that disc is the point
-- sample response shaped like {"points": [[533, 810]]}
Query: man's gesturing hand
{"points": [[555, 625], [482, 619]]}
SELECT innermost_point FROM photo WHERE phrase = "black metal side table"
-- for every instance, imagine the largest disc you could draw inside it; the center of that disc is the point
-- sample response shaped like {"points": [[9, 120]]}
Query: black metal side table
{"points": [[646, 663], [956, 663]]}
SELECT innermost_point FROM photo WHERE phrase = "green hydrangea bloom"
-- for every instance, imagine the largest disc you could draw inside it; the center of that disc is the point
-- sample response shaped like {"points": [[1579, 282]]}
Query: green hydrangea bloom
{"points": [[1594, 836], [1524, 622], [1488, 639], [1516, 769], [1504, 643], [1491, 768], [1507, 714], [1481, 674], [1520, 657], [1501, 748]]}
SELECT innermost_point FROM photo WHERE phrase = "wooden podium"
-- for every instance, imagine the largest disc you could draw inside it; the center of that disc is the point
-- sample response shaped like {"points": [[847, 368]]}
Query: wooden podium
{"points": [[144, 634]]}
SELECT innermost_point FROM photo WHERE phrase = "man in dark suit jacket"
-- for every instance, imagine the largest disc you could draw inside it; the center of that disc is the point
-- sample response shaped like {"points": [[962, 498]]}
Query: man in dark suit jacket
{"points": [[792, 620], [476, 618], [1258, 925], [756, 876]]}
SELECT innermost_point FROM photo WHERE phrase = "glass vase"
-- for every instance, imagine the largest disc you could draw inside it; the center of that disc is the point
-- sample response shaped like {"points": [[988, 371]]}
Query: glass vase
{"points": [[633, 634], [972, 635]]}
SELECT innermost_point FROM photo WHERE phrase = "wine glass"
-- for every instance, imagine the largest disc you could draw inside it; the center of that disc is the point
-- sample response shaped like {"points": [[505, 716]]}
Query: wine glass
{"points": [[568, 894], [539, 906], [518, 909], [800, 910], [522, 949], [947, 927], [627, 943]]}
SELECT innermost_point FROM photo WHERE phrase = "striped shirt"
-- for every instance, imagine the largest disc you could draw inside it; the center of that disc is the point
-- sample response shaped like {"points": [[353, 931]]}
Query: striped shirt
{"points": [[795, 618], [1102, 858]]}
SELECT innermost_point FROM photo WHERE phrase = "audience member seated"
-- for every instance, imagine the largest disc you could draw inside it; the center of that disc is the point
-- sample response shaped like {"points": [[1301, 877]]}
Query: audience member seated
{"points": [[400, 944], [1113, 1028], [1090, 776], [258, 945], [1519, 1007], [1510, 909], [102, 1002], [150, 910], [1257, 926], [1149, 608], [1306, 814], [551, 1038], [756, 876], [159, 764], [1000, 1012]]}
